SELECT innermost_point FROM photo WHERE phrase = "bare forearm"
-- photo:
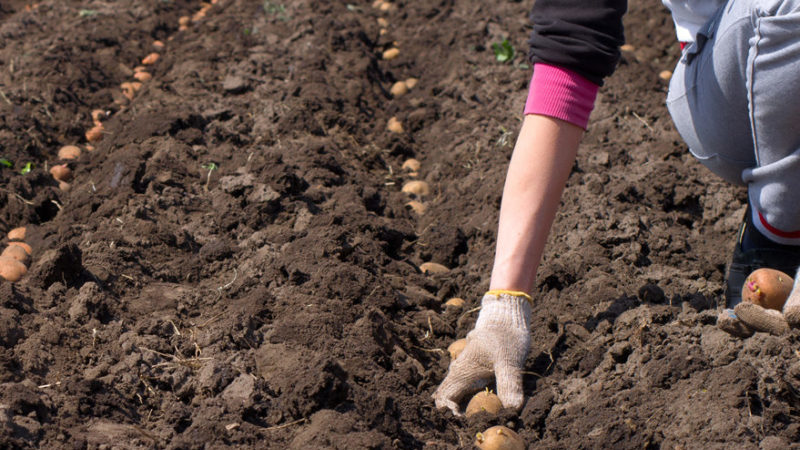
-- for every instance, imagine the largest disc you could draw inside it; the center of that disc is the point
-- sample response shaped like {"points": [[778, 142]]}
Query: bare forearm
{"points": [[542, 159]]}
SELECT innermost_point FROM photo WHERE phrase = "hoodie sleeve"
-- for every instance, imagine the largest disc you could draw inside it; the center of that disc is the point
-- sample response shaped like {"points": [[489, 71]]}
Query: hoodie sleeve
{"points": [[582, 36]]}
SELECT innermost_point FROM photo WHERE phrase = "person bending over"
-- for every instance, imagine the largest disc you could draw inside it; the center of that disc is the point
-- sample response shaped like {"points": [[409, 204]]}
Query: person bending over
{"points": [[732, 98]]}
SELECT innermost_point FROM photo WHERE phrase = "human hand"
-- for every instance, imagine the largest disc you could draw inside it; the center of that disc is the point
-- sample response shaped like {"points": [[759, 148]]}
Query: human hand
{"points": [[498, 345], [746, 318]]}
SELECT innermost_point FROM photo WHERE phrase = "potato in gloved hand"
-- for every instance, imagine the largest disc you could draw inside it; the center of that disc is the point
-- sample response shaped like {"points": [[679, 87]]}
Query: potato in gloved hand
{"points": [[497, 347]]}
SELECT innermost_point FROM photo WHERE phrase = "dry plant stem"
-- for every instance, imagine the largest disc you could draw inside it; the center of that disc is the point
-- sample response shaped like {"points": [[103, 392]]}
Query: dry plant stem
{"points": [[643, 121], [286, 425], [192, 363], [226, 286], [209, 321], [430, 350], [3, 94], [19, 197]]}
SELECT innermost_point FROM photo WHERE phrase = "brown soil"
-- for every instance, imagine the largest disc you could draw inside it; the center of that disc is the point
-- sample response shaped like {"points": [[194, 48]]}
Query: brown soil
{"points": [[234, 264]]}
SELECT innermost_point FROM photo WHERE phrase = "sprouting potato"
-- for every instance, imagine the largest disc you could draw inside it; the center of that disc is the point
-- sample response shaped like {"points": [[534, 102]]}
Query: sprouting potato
{"points": [[456, 348], [768, 288], [484, 401], [499, 438]]}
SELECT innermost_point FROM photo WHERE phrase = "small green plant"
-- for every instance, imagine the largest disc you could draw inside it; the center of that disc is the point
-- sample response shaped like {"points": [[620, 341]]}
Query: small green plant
{"points": [[26, 168], [503, 51], [276, 9], [6, 163], [210, 167], [87, 13]]}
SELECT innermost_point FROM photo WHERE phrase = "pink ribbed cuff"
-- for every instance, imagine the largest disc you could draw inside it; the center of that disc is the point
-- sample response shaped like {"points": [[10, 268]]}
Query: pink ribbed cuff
{"points": [[561, 93]]}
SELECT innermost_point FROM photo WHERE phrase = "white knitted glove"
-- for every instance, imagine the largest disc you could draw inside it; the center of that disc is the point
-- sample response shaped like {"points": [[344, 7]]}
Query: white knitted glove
{"points": [[497, 345]]}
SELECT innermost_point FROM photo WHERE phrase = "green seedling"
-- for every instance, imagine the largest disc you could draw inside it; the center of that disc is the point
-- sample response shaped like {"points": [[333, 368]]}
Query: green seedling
{"points": [[276, 9], [26, 168], [87, 13], [6, 163], [503, 51], [210, 167]]}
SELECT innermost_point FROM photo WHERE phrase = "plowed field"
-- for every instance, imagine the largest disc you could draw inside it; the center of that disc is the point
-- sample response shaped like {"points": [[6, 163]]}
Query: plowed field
{"points": [[235, 265]]}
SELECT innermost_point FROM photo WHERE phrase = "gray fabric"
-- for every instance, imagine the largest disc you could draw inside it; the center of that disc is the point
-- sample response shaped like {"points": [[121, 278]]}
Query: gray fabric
{"points": [[735, 99]]}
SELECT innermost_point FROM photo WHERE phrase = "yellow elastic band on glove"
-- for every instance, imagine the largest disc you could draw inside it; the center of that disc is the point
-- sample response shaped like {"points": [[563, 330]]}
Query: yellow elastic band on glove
{"points": [[512, 293]]}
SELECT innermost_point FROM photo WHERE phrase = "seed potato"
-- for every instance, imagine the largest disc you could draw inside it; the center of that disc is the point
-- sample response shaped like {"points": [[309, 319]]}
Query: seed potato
{"points": [[11, 269], [150, 59], [142, 76], [61, 172], [416, 206], [69, 152], [417, 187], [394, 125], [15, 252], [499, 438], [24, 246], [411, 165], [455, 302], [432, 267], [17, 234], [391, 53], [768, 288], [484, 401], [456, 348], [399, 88], [95, 134]]}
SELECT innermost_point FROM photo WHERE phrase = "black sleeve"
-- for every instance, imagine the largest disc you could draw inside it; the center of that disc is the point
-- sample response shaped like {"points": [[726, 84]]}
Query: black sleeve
{"points": [[580, 35]]}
